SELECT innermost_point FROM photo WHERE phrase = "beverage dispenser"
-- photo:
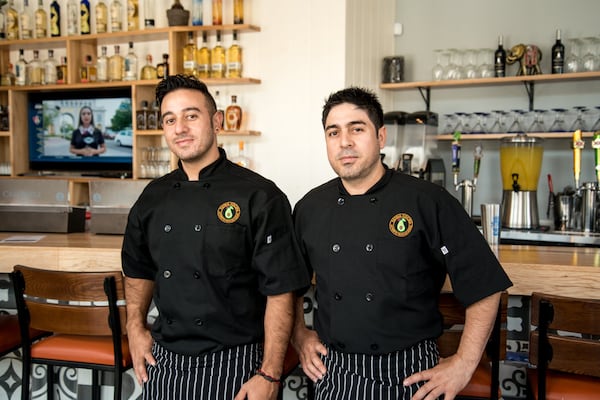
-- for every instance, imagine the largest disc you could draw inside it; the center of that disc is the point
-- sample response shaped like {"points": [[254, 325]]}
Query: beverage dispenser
{"points": [[418, 141], [394, 122], [520, 166]]}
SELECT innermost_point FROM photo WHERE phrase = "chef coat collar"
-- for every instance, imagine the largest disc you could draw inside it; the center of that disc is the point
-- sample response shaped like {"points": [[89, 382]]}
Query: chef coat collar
{"points": [[209, 170], [381, 183]]}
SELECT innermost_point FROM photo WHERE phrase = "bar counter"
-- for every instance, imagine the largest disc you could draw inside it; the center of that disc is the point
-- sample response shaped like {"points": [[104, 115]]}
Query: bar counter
{"points": [[568, 271]]}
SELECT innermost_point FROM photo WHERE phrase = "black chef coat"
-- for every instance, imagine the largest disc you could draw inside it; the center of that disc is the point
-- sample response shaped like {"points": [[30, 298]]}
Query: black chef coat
{"points": [[215, 248], [381, 260]]}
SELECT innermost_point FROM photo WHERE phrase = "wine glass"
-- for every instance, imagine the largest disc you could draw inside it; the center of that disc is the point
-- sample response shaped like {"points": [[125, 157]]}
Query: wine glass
{"points": [[590, 58], [442, 58], [579, 122], [485, 58], [573, 62], [517, 124], [470, 60], [480, 125], [559, 123], [538, 121]]}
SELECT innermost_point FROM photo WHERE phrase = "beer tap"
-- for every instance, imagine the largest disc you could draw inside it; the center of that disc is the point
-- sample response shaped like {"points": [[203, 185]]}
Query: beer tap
{"points": [[456, 156], [477, 154], [596, 147], [466, 186], [577, 147]]}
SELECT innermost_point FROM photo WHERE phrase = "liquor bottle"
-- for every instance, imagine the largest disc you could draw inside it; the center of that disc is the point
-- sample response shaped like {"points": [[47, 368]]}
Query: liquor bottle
{"points": [[2, 24], [4, 119], [133, 15], [101, 17], [35, 69], [8, 78], [149, 70], [85, 14], [54, 19], [116, 65], [240, 158], [89, 72], [102, 65], [21, 69], [61, 71], [116, 16], [72, 17], [234, 59], [233, 115], [153, 117], [558, 55], [12, 21], [162, 69], [189, 56], [131, 63], [41, 21], [149, 12], [197, 12], [500, 60], [220, 108], [217, 12], [238, 11], [26, 22], [50, 65], [203, 59], [217, 58], [140, 116]]}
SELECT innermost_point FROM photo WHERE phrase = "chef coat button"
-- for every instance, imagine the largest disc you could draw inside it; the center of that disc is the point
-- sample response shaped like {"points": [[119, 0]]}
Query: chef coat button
{"points": [[373, 200], [196, 275], [198, 227], [177, 185], [199, 322], [369, 247], [374, 346], [168, 228], [167, 274], [341, 201], [369, 296], [336, 248], [337, 296]]}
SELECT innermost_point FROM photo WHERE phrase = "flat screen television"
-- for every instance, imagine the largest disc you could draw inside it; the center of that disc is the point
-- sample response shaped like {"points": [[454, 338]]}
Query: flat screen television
{"points": [[54, 120]]}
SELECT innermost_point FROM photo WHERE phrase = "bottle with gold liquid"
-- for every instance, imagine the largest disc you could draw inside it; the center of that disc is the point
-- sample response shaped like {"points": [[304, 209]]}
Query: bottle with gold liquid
{"points": [[203, 59], [26, 22], [234, 59], [116, 66], [116, 16], [217, 12], [54, 19], [101, 17], [88, 72], [84, 17], [35, 69], [12, 21], [133, 15], [238, 11], [162, 69], [61, 71], [8, 78], [149, 70], [41, 21], [189, 56], [217, 59], [233, 115]]}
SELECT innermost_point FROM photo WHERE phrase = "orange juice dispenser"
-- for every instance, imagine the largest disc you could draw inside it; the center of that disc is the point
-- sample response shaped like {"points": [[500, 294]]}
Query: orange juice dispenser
{"points": [[520, 166]]}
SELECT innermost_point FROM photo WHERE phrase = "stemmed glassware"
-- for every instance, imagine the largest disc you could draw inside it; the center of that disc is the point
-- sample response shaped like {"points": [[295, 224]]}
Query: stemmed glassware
{"points": [[573, 62], [441, 65], [559, 123], [590, 58], [517, 124], [579, 122], [470, 60], [596, 125], [485, 58], [538, 121]]}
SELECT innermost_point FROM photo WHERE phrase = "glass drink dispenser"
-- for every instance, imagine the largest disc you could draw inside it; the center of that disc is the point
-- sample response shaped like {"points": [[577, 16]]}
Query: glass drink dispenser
{"points": [[394, 122]]}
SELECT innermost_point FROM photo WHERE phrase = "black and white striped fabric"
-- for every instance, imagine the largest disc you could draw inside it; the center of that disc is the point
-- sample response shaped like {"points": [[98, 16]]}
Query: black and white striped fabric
{"points": [[374, 377], [214, 376]]}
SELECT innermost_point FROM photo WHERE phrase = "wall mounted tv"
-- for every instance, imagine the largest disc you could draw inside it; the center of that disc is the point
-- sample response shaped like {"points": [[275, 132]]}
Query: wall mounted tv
{"points": [[54, 133]]}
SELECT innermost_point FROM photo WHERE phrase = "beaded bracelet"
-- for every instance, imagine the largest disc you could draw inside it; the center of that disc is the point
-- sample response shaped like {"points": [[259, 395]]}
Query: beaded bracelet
{"points": [[268, 377]]}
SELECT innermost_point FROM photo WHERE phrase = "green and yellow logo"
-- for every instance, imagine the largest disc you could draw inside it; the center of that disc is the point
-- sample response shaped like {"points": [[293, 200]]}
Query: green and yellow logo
{"points": [[401, 224], [229, 212]]}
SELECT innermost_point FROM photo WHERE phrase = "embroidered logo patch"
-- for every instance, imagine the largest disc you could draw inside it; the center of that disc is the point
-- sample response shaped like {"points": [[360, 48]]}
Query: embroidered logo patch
{"points": [[229, 212], [401, 224]]}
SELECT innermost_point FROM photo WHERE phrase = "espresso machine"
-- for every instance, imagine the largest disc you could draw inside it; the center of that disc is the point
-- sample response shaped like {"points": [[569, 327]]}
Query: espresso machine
{"points": [[520, 166]]}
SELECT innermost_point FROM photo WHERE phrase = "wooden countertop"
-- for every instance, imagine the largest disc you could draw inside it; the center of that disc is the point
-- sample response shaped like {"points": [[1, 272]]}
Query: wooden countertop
{"points": [[568, 271]]}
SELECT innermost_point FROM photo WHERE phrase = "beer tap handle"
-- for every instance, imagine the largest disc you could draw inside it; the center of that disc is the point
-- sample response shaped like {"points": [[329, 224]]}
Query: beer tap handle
{"points": [[577, 147], [456, 157], [478, 153], [596, 146]]}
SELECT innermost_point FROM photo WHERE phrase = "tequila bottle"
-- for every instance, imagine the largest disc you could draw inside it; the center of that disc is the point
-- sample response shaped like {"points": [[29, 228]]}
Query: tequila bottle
{"points": [[233, 115], [50, 65], [217, 58], [101, 17], [41, 21], [2, 24], [12, 21], [133, 15], [149, 70], [61, 71], [26, 21], [21, 69], [234, 59], [116, 16], [162, 69], [35, 69], [72, 17], [89, 72], [189, 56], [116, 66], [102, 65], [238, 11], [241, 159], [203, 59], [8, 78], [84, 17], [149, 12], [217, 12], [140, 117], [131, 63], [197, 12], [54, 19], [153, 117]]}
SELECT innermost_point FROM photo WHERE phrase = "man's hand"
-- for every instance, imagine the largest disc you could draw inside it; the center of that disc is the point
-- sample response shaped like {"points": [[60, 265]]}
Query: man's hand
{"points": [[140, 347], [309, 348], [449, 377], [258, 388]]}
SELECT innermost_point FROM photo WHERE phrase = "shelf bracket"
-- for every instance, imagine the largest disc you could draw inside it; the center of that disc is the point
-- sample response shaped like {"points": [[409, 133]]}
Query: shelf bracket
{"points": [[426, 96], [529, 86]]}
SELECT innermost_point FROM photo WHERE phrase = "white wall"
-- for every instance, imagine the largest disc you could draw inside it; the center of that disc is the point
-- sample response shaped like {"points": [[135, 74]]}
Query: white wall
{"points": [[437, 24]]}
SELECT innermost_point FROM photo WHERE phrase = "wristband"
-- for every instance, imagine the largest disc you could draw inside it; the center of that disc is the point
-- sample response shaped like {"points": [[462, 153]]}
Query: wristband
{"points": [[268, 377]]}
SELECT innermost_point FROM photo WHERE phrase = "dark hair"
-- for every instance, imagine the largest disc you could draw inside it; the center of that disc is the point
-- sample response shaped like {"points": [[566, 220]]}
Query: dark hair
{"points": [[364, 99], [91, 112], [179, 81]]}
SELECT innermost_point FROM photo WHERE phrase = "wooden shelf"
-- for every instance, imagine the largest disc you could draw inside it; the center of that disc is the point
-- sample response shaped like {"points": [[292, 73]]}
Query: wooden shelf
{"points": [[239, 133]]}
